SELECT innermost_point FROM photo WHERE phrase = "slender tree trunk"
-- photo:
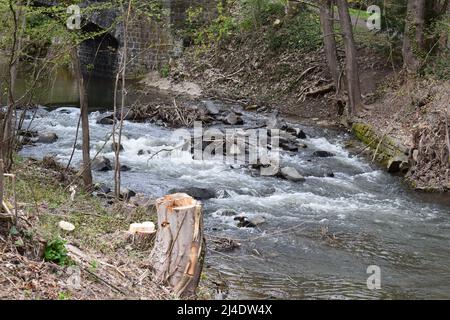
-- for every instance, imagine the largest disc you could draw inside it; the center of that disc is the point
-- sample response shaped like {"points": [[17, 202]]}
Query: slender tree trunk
{"points": [[326, 20], [1, 184], [6, 124], [352, 70], [443, 40], [117, 175], [86, 169], [420, 23], [413, 38]]}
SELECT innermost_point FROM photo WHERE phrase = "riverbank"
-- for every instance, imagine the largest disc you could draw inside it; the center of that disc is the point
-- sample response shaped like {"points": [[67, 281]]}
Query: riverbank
{"points": [[345, 210], [411, 119], [398, 109], [96, 260]]}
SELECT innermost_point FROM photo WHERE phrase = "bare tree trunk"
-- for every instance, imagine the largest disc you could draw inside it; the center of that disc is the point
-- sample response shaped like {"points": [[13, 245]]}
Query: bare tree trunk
{"points": [[443, 40], [6, 124], [179, 249], [413, 39], [1, 184], [86, 169], [352, 71], [117, 176], [326, 20]]}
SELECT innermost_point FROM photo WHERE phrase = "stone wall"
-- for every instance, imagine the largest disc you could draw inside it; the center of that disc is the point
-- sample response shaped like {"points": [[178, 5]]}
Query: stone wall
{"points": [[99, 56], [150, 42], [179, 8]]}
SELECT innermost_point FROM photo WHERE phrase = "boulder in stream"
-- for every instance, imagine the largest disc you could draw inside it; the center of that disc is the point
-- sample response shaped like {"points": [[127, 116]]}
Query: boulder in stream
{"points": [[289, 147], [297, 132], [323, 154], [114, 146], [47, 137], [398, 164], [124, 168], [211, 107], [245, 222], [329, 174], [233, 119], [197, 193], [291, 174], [126, 194], [101, 163], [108, 120], [102, 188]]}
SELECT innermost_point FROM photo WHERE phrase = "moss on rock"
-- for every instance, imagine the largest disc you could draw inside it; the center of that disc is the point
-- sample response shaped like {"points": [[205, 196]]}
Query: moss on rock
{"points": [[387, 149]]}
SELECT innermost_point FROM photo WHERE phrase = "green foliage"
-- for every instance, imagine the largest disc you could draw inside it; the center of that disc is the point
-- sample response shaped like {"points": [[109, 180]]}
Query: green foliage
{"points": [[56, 252], [164, 71], [64, 295], [93, 265], [218, 30], [256, 13], [439, 67], [301, 32]]}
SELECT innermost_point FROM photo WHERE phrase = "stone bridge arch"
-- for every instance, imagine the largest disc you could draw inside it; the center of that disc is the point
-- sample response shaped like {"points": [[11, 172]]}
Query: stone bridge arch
{"points": [[150, 43]]}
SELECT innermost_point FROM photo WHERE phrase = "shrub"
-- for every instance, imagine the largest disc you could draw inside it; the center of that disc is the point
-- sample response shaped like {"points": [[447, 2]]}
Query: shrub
{"points": [[56, 252], [301, 32], [439, 67], [216, 31], [255, 13]]}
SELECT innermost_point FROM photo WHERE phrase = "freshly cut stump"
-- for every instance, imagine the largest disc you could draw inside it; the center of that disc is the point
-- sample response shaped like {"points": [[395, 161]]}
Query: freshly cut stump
{"points": [[178, 254], [141, 240]]}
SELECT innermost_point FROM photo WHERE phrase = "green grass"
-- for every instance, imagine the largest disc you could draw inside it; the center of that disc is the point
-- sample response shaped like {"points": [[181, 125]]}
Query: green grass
{"points": [[359, 13], [41, 195]]}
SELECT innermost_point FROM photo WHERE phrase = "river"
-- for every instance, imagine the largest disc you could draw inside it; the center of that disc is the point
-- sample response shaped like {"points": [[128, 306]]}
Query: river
{"points": [[320, 235]]}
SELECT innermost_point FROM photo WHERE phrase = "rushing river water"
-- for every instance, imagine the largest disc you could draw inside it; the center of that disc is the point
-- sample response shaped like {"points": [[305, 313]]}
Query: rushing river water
{"points": [[320, 235]]}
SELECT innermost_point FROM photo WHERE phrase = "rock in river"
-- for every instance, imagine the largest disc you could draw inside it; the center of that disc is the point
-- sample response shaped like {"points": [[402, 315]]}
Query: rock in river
{"points": [[397, 164], [101, 164], [233, 119], [291, 173], [48, 137], [244, 222], [114, 146], [106, 120], [297, 132], [102, 188], [197, 193], [126, 193], [323, 154], [211, 107], [124, 168]]}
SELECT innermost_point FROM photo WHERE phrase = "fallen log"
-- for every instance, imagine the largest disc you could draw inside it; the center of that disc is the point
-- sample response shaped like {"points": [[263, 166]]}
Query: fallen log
{"points": [[178, 254], [321, 90]]}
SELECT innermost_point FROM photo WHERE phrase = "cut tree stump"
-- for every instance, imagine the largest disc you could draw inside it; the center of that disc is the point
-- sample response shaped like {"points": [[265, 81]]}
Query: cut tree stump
{"points": [[141, 235], [143, 240], [178, 254]]}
